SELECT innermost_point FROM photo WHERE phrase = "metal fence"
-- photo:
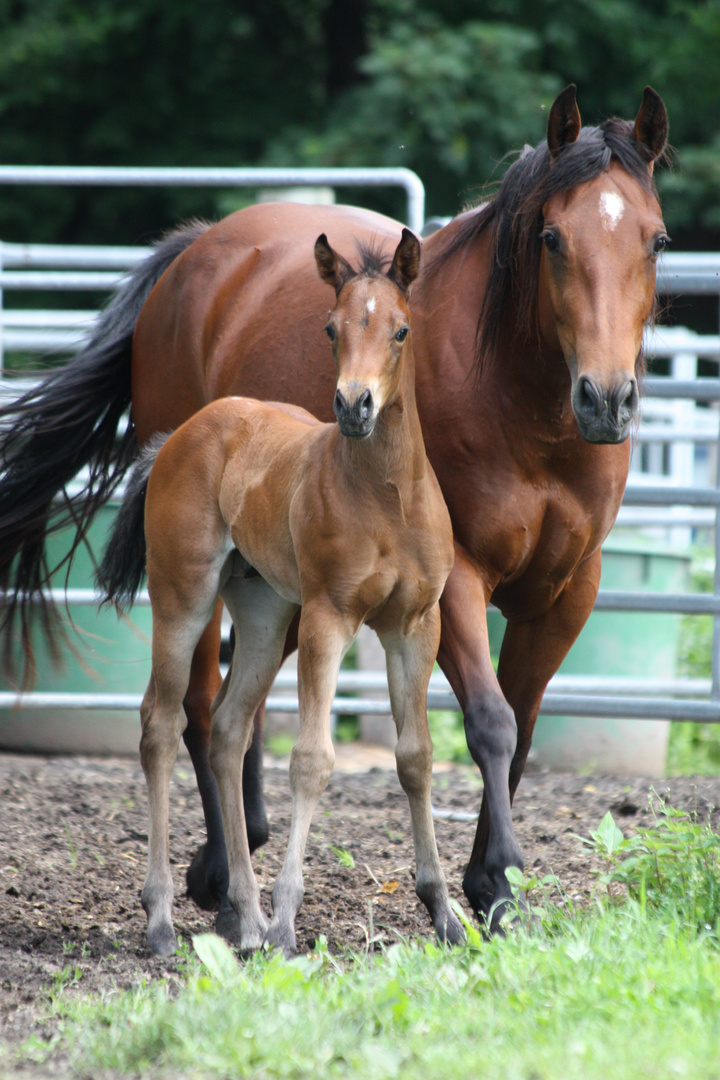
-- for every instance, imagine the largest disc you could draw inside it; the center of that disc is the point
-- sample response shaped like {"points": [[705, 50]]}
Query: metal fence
{"points": [[680, 411]]}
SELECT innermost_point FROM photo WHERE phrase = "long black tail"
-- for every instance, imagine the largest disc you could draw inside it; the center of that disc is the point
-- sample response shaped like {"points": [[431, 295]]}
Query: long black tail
{"points": [[67, 423], [123, 565]]}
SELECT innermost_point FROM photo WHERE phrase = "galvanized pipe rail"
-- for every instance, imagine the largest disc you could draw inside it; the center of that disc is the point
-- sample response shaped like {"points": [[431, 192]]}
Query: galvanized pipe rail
{"points": [[121, 176]]}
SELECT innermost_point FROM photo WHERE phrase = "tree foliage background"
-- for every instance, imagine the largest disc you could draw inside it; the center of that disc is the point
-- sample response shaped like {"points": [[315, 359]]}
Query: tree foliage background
{"points": [[445, 89]]}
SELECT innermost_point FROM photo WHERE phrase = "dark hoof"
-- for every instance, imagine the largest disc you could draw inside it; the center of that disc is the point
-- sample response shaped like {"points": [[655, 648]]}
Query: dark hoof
{"points": [[450, 931], [279, 937], [227, 923], [162, 940], [196, 880], [503, 915], [492, 906]]}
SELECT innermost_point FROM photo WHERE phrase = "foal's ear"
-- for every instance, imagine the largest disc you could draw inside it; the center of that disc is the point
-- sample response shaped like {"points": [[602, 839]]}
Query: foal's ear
{"points": [[564, 120], [651, 124], [406, 261], [332, 268]]}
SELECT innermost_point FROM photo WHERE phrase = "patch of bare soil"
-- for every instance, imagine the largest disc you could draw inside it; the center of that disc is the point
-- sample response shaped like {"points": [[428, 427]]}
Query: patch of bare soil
{"points": [[73, 845]]}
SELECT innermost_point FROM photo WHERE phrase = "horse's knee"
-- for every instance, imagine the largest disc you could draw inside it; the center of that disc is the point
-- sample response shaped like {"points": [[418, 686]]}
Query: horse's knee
{"points": [[490, 730], [160, 737], [228, 738], [413, 757], [311, 767]]}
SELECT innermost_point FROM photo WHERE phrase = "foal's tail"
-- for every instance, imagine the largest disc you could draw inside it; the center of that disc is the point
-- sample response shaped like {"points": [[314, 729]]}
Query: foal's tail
{"points": [[123, 565], [67, 423]]}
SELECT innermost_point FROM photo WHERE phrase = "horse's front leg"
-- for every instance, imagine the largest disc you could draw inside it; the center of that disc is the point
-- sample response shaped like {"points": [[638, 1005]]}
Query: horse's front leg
{"points": [[261, 618], [410, 662], [533, 651], [491, 734], [324, 638], [176, 629], [206, 876]]}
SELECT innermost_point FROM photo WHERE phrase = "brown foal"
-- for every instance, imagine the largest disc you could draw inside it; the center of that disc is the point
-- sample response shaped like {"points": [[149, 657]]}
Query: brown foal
{"points": [[266, 507]]}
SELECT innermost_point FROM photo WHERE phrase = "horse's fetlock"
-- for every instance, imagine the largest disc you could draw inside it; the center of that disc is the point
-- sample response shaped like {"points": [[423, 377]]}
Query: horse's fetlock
{"points": [[155, 895]]}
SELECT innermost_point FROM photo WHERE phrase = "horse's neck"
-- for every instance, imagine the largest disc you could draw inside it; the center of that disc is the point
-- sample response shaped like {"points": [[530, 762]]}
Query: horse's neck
{"points": [[526, 379], [395, 452]]}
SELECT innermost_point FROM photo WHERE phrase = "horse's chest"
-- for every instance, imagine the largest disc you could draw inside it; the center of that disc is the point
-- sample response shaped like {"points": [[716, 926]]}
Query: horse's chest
{"points": [[388, 579]]}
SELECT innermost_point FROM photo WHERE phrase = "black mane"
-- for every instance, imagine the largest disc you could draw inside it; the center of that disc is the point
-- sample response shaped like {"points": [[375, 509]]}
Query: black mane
{"points": [[373, 263], [515, 216]]}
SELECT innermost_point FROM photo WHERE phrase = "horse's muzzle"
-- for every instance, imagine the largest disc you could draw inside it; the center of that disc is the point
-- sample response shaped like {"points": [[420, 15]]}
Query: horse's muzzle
{"points": [[605, 414], [356, 419]]}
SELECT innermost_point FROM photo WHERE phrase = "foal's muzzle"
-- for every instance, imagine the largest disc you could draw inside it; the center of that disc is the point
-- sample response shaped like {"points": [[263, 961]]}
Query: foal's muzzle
{"points": [[604, 414], [356, 419]]}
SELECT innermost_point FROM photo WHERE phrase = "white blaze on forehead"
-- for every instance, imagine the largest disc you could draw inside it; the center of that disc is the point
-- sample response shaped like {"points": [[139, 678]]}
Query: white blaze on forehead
{"points": [[612, 209], [371, 305]]}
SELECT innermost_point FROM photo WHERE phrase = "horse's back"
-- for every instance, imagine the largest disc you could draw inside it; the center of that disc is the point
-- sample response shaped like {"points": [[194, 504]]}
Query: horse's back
{"points": [[242, 310]]}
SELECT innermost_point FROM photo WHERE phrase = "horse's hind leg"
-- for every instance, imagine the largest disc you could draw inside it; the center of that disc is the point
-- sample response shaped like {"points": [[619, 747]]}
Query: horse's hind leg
{"points": [[207, 875], [261, 619], [409, 666], [162, 723], [323, 640]]}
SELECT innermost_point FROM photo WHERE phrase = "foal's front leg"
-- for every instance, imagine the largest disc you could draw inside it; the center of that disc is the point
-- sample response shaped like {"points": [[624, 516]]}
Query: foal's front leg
{"points": [[176, 629], [409, 665], [261, 618], [323, 640]]}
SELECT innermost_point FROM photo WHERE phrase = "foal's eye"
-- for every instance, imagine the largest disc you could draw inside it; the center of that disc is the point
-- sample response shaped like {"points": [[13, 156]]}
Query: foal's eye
{"points": [[550, 240], [661, 242], [330, 331], [402, 334]]}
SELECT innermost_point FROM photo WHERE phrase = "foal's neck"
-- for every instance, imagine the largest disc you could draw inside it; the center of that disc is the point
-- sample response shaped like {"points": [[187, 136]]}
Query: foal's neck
{"points": [[394, 454]]}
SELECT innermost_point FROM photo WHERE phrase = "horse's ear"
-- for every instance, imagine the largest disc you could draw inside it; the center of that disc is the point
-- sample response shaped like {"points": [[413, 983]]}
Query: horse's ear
{"points": [[651, 124], [564, 120], [406, 261], [332, 268]]}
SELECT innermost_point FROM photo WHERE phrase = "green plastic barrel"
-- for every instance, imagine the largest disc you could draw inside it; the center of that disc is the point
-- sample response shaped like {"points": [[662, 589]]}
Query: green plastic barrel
{"points": [[613, 643], [105, 655]]}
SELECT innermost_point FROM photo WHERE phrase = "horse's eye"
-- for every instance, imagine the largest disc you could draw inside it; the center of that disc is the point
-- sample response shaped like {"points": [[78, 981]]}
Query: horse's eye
{"points": [[661, 242], [330, 331], [402, 334], [550, 240]]}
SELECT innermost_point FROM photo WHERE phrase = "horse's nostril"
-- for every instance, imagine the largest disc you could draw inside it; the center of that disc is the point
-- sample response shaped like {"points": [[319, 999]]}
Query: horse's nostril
{"points": [[339, 404], [365, 405], [627, 398], [588, 397]]}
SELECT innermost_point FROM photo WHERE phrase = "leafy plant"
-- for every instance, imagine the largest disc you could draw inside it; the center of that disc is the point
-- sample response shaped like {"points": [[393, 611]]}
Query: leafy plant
{"points": [[672, 867]]}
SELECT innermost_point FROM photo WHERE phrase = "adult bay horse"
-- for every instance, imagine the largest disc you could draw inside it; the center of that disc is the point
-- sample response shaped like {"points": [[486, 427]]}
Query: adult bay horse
{"points": [[261, 504], [527, 321]]}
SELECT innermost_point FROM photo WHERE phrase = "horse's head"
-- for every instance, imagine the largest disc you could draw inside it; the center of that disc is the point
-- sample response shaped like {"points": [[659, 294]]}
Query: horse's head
{"points": [[368, 328], [600, 241]]}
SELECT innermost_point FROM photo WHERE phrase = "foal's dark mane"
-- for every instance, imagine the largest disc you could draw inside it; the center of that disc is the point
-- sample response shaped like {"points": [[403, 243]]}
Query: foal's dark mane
{"points": [[515, 217], [372, 261]]}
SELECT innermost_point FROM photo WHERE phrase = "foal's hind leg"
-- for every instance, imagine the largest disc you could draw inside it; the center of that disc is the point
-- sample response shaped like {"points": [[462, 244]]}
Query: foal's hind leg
{"points": [[323, 640], [261, 618], [409, 666], [207, 875]]}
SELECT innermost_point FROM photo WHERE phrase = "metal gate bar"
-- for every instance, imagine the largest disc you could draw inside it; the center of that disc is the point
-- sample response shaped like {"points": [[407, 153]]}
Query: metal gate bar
{"points": [[111, 176]]}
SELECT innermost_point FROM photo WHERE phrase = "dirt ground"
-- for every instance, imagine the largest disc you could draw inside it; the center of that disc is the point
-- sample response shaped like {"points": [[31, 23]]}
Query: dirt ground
{"points": [[73, 845]]}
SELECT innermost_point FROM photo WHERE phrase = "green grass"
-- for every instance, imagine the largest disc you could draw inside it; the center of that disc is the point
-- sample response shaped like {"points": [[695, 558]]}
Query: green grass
{"points": [[627, 988], [694, 749]]}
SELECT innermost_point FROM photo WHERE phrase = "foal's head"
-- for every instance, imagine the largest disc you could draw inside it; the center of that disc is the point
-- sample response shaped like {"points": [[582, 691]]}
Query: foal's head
{"points": [[368, 328]]}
